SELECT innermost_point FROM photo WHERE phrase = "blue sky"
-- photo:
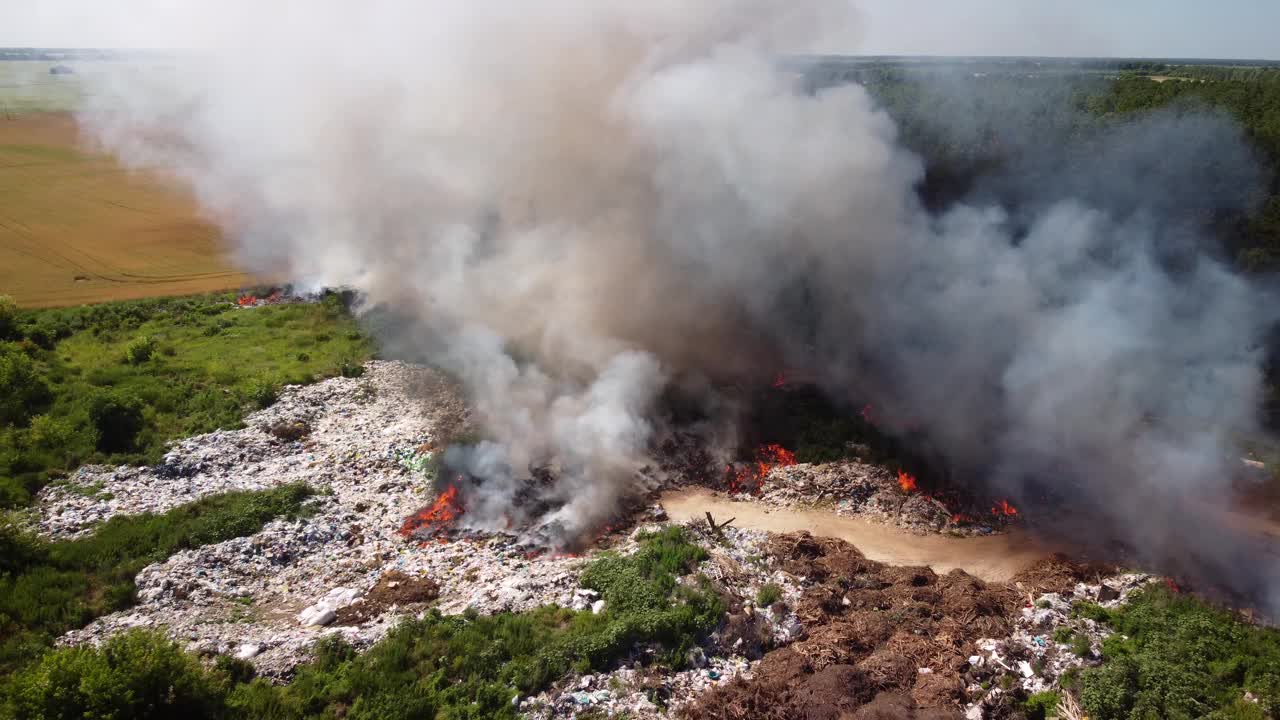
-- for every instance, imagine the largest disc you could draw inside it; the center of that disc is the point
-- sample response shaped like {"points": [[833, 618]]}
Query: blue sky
{"points": [[1146, 28], [1124, 28]]}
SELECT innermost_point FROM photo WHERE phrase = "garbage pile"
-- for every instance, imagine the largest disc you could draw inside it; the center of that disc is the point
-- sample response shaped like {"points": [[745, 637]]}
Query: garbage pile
{"points": [[342, 432], [813, 628], [873, 492], [1051, 638]]}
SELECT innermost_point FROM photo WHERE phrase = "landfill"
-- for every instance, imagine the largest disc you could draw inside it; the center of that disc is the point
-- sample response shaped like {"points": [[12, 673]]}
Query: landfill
{"points": [[367, 446]]}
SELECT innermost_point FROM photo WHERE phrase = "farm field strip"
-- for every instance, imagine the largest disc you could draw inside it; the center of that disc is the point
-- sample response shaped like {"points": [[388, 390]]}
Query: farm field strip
{"points": [[77, 227]]}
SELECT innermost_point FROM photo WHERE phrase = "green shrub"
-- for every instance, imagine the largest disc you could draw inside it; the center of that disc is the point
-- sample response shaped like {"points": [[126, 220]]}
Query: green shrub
{"points": [[263, 394], [1063, 635], [133, 675], [1041, 705], [1174, 656], [768, 595], [117, 418], [8, 318], [1081, 646], [140, 350], [51, 433], [22, 392], [1091, 610]]}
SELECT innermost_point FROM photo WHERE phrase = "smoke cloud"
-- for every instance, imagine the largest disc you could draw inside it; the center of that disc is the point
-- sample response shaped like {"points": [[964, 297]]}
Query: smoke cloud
{"points": [[579, 201]]}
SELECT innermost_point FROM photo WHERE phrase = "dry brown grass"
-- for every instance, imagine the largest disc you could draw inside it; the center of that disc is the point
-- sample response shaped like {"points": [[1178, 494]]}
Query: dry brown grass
{"points": [[76, 227]]}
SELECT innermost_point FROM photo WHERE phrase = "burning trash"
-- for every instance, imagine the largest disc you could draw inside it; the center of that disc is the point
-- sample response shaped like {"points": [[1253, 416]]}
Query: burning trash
{"points": [[750, 478], [249, 300], [1003, 508], [438, 516], [906, 481]]}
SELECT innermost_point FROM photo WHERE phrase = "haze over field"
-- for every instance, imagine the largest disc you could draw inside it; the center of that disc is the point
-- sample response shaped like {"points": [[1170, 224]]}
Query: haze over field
{"points": [[578, 204]]}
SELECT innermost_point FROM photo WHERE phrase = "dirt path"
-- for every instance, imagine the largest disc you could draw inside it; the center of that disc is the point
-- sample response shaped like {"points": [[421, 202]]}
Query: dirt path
{"points": [[993, 557]]}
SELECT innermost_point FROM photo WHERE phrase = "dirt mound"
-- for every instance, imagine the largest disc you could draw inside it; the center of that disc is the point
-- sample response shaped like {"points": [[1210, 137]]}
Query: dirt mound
{"points": [[394, 589], [1059, 574], [894, 706], [881, 641], [289, 430]]}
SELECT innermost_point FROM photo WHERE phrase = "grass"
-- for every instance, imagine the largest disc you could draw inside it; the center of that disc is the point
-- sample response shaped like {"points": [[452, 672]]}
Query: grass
{"points": [[76, 227], [48, 588], [769, 594], [1173, 656], [467, 666], [115, 382]]}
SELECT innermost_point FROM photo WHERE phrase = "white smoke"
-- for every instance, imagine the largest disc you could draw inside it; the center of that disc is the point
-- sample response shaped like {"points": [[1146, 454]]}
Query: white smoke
{"points": [[577, 199]]}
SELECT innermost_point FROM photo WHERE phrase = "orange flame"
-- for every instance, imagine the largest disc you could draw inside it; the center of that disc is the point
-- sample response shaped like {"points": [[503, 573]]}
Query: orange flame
{"points": [[779, 380], [443, 511], [246, 300], [1002, 507], [751, 477], [906, 481]]}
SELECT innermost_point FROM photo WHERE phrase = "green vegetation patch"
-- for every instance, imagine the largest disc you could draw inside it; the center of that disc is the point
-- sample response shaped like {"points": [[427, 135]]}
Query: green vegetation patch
{"points": [[467, 666], [48, 588], [769, 594], [114, 383], [1173, 656]]}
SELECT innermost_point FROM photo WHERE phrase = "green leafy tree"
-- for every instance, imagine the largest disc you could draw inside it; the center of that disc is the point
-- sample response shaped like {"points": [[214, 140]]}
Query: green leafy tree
{"points": [[8, 318], [118, 419], [22, 392]]}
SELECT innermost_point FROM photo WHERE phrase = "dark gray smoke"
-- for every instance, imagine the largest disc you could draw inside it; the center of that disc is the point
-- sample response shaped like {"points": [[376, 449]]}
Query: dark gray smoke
{"points": [[577, 201]]}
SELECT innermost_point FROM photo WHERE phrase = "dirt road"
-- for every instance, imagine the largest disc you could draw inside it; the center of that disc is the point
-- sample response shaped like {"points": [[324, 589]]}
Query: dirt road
{"points": [[994, 557]]}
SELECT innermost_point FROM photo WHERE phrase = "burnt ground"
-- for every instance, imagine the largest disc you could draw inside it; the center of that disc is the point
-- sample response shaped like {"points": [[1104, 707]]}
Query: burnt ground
{"points": [[882, 641]]}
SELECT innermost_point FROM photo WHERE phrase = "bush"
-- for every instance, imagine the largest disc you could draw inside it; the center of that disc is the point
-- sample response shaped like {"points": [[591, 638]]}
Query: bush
{"points": [[52, 434], [1173, 656], [768, 595], [1081, 646], [133, 675], [8, 318], [22, 392], [1091, 610], [1041, 705], [263, 394], [118, 419], [140, 350]]}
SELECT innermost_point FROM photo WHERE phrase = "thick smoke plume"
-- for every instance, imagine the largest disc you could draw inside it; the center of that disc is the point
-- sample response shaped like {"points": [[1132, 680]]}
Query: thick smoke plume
{"points": [[579, 201]]}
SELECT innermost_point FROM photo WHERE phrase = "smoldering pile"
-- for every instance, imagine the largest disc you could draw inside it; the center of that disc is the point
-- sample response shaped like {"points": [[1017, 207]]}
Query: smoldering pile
{"points": [[524, 510]]}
